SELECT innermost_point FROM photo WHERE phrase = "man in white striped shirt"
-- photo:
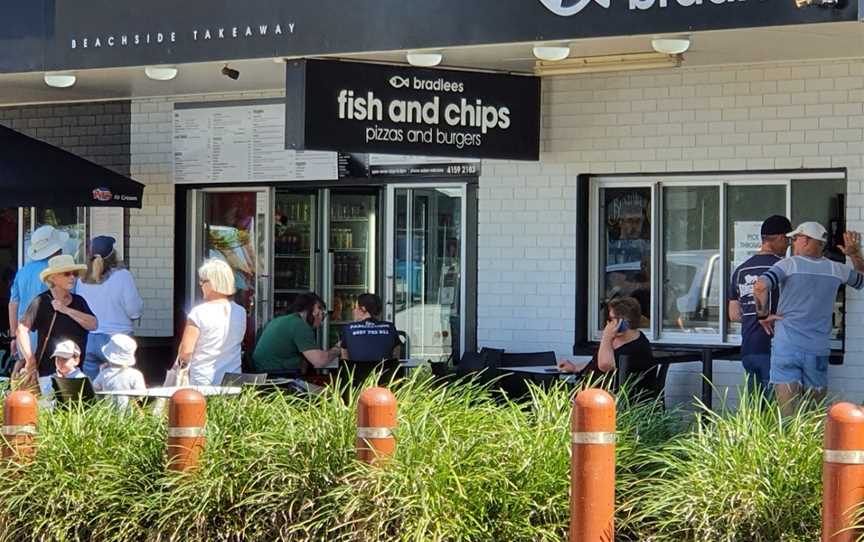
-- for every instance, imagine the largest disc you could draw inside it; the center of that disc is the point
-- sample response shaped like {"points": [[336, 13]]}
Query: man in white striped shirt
{"points": [[802, 326]]}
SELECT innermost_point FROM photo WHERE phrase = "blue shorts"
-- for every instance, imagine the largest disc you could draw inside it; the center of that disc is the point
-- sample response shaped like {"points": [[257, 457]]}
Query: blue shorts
{"points": [[791, 366]]}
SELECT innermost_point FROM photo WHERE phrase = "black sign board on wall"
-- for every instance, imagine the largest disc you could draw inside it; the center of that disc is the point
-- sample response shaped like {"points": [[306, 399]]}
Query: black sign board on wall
{"points": [[56, 35], [363, 107]]}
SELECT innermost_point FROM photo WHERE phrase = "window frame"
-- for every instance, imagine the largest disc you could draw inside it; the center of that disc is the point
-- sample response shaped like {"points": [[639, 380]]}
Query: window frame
{"points": [[657, 182]]}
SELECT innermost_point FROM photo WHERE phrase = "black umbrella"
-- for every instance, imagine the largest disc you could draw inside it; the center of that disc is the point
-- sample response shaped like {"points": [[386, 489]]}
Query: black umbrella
{"points": [[36, 174]]}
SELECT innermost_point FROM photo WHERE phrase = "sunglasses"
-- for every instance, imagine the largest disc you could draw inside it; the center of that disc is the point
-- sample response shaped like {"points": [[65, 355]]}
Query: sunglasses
{"points": [[68, 273]]}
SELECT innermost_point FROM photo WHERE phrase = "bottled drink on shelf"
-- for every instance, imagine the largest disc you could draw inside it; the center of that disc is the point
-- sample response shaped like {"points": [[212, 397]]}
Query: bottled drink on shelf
{"points": [[350, 238]]}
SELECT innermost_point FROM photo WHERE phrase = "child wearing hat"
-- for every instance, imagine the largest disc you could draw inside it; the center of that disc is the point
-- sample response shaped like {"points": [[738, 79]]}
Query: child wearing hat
{"points": [[118, 374], [67, 357]]}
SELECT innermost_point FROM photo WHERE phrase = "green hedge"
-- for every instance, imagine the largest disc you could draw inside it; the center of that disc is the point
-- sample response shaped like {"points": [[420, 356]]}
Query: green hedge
{"points": [[469, 467]]}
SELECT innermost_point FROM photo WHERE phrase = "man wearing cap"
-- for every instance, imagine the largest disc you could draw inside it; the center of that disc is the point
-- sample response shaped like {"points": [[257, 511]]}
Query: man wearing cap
{"points": [[755, 342], [802, 326], [45, 242]]}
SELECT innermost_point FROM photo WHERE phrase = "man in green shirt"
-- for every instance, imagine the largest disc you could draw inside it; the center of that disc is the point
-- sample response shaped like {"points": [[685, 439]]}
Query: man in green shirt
{"points": [[289, 339]]}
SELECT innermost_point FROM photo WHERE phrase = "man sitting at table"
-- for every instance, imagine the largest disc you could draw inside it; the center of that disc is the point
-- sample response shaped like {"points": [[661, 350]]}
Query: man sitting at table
{"points": [[368, 338], [621, 337], [289, 340]]}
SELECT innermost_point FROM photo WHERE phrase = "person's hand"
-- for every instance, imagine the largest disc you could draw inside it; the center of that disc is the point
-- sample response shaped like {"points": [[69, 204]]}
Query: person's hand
{"points": [[611, 329], [567, 366], [59, 306], [767, 323], [851, 243]]}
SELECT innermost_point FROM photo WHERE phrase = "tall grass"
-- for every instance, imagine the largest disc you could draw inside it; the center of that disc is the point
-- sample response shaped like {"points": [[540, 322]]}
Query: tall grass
{"points": [[748, 475], [470, 466]]}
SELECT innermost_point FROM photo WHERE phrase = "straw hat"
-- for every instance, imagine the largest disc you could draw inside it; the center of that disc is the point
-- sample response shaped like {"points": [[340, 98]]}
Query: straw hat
{"points": [[45, 241], [120, 350], [61, 264]]}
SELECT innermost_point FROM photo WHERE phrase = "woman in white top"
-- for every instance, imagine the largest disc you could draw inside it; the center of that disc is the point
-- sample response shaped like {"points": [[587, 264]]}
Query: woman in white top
{"points": [[112, 296], [214, 329]]}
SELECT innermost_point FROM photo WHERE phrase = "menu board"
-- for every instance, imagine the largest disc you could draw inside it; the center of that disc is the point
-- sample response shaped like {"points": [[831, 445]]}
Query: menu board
{"points": [[241, 143]]}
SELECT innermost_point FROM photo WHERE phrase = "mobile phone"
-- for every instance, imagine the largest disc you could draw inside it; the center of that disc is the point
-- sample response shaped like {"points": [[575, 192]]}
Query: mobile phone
{"points": [[623, 326]]}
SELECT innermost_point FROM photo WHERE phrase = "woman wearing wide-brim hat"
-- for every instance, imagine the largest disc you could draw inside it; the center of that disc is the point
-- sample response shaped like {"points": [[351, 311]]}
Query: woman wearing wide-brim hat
{"points": [[56, 315]]}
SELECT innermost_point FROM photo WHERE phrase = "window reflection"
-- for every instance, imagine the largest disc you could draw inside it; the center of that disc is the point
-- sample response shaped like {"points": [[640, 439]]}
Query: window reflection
{"points": [[692, 283], [626, 258]]}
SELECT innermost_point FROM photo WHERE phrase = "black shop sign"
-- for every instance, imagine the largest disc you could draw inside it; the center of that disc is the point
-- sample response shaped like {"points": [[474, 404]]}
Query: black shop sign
{"points": [[373, 108]]}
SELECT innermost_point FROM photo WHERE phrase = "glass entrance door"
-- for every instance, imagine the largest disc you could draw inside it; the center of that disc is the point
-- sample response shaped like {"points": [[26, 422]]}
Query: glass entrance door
{"points": [[425, 268], [233, 226]]}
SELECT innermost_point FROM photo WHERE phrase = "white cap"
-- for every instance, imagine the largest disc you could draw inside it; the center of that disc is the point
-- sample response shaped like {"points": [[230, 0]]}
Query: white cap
{"points": [[66, 350], [813, 230], [120, 350]]}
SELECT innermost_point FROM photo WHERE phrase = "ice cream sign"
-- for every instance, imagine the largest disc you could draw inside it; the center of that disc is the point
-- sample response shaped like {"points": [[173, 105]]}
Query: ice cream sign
{"points": [[361, 107]]}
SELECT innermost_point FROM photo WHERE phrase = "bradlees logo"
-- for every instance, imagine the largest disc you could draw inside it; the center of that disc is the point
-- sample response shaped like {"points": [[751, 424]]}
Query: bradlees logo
{"points": [[445, 119], [567, 8]]}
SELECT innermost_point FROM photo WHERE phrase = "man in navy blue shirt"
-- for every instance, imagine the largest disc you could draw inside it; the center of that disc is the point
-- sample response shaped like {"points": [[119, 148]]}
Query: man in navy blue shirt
{"points": [[755, 342], [368, 338]]}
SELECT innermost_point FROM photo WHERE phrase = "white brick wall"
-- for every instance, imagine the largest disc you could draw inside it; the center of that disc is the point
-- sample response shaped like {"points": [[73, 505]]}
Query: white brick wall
{"points": [[152, 227], [780, 116]]}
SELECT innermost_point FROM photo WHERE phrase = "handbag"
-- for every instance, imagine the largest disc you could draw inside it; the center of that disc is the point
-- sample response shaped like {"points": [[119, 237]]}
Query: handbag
{"points": [[28, 380], [177, 375]]}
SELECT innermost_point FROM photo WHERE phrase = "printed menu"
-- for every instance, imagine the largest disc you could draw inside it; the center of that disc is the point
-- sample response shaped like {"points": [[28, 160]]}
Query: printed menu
{"points": [[242, 143]]}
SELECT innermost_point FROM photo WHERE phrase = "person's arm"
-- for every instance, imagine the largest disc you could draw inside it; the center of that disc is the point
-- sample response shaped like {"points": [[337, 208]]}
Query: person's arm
{"points": [[852, 249], [28, 322], [132, 302], [188, 342], [320, 358], [606, 354], [734, 311], [82, 318]]}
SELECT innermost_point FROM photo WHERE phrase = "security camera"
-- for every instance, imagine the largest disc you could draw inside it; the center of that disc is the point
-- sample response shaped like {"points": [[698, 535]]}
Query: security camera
{"points": [[234, 74], [820, 3]]}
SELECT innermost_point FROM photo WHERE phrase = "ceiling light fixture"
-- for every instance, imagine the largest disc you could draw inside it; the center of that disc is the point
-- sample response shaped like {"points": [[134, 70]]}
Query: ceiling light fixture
{"points": [[551, 53], [161, 73], [424, 60], [60, 80], [607, 63], [670, 46]]}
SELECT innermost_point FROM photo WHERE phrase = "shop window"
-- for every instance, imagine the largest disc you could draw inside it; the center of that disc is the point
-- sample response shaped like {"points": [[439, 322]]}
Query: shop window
{"points": [[673, 242]]}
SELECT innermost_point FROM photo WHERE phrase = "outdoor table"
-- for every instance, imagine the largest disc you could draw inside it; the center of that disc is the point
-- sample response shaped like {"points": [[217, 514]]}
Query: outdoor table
{"points": [[677, 353], [165, 392], [540, 371], [403, 364]]}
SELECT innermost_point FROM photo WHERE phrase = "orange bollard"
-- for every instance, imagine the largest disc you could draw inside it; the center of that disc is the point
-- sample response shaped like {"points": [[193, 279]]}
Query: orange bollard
{"points": [[376, 418], [592, 467], [187, 416], [842, 472], [19, 425]]}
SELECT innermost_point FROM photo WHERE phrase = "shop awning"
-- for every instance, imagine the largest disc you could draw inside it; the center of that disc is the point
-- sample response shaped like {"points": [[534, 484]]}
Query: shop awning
{"points": [[36, 174]]}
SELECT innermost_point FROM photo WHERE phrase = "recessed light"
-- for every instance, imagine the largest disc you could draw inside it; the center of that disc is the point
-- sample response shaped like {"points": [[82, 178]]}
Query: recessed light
{"points": [[670, 46], [424, 60], [60, 80], [551, 53], [161, 73]]}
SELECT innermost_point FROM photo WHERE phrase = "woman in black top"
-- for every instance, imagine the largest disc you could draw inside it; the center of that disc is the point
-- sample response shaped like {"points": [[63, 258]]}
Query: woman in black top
{"points": [[621, 337], [56, 315]]}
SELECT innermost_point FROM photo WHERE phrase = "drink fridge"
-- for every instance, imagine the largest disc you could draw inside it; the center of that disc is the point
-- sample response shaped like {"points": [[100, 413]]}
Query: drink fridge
{"points": [[325, 241]]}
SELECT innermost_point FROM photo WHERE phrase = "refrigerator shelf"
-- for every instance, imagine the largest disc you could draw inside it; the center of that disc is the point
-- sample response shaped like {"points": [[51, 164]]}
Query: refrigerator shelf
{"points": [[295, 256], [349, 286], [290, 291], [357, 219], [353, 250]]}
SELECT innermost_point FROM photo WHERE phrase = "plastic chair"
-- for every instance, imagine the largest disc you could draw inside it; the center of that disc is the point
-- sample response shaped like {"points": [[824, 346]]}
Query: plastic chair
{"points": [[71, 390], [238, 379]]}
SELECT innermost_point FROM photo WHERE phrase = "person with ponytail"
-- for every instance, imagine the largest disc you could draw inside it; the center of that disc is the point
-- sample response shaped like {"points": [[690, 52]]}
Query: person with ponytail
{"points": [[110, 291]]}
